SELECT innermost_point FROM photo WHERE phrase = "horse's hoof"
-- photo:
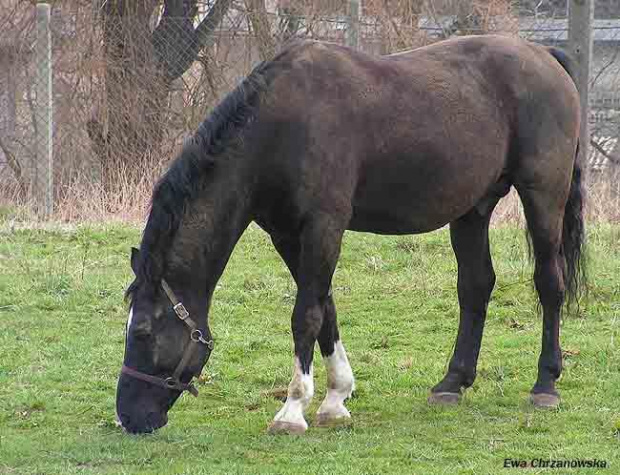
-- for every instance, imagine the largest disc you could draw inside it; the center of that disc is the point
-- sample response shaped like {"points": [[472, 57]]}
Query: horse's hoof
{"points": [[444, 399], [329, 420], [545, 400], [289, 428]]}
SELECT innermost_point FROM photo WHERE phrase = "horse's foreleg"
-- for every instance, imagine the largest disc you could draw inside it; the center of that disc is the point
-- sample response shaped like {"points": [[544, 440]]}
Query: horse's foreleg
{"points": [[476, 278], [306, 323], [290, 419], [316, 253], [340, 381]]}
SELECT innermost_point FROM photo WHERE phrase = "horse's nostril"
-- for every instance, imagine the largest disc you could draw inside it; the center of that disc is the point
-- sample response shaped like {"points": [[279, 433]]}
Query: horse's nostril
{"points": [[125, 421], [142, 424]]}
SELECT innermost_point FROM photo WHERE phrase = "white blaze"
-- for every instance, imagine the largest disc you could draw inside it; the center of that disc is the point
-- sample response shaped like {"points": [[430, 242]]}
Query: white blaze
{"points": [[117, 420], [129, 319]]}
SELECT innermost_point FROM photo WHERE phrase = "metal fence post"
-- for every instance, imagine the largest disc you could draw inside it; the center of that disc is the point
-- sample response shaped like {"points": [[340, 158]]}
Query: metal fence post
{"points": [[353, 24], [580, 21], [42, 183]]}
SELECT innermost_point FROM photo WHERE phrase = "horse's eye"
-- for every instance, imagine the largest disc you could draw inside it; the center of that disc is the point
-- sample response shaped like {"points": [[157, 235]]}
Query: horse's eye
{"points": [[142, 332], [141, 336]]}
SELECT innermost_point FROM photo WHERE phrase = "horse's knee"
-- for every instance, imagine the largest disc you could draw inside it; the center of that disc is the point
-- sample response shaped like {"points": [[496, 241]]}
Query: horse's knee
{"points": [[475, 290]]}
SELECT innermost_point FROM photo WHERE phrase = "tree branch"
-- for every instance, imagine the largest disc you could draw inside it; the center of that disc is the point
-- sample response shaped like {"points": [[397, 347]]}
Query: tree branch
{"points": [[204, 31], [613, 158], [605, 67], [259, 20], [175, 41], [14, 166]]}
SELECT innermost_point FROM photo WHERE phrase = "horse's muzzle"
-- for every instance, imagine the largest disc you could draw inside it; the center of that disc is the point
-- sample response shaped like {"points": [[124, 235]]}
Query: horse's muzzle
{"points": [[137, 424]]}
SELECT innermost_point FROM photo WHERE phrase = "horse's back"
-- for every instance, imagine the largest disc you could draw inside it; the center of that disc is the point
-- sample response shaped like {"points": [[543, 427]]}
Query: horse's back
{"points": [[414, 140]]}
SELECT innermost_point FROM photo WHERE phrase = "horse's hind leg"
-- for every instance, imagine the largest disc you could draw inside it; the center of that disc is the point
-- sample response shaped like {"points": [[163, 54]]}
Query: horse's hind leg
{"points": [[544, 211], [312, 259], [476, 278]]}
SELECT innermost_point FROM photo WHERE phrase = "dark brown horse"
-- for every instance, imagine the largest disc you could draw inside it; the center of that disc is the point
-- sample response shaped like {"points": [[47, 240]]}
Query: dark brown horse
{"points": [[323, 139]]}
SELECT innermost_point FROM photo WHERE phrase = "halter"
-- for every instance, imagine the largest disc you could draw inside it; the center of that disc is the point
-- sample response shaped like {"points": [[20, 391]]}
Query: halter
{"points": [[196, 337]]}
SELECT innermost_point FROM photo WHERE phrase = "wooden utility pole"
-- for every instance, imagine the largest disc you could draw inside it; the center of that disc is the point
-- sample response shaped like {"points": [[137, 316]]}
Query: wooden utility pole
{"points": [[42, 182], [353, 27], [580, 21]]}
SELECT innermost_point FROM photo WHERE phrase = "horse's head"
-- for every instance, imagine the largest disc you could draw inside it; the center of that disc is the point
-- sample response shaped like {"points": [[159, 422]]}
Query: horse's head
{"points": [[168, 342]]}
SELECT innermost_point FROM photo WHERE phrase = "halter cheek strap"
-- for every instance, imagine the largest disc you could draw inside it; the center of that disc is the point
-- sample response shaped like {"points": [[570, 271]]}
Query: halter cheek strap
{"points": [[196, 338]]}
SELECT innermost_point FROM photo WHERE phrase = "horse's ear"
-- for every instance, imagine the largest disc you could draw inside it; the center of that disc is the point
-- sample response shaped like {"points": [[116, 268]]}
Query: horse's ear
{"points": [[135, 259]]}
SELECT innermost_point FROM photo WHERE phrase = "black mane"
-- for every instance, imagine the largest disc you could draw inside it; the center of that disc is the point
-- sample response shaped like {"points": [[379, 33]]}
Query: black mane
{"points": [[184, 177]]}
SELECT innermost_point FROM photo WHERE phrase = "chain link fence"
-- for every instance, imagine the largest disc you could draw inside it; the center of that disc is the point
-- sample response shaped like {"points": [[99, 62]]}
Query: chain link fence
{"points": [[129, 85]]}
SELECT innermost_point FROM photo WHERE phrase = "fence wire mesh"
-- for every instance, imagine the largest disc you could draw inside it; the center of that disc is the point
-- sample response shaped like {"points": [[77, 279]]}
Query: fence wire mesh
{"points": [[129, 85]]}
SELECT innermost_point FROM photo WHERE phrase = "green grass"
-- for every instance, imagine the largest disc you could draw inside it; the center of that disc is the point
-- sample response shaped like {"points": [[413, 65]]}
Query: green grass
{"points": [[62, 320]]}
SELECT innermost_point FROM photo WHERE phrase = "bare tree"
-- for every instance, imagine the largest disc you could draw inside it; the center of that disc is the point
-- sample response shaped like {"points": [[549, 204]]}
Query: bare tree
{"points": [[478, 16], [14, 51], [147, 46], [258, 18]]}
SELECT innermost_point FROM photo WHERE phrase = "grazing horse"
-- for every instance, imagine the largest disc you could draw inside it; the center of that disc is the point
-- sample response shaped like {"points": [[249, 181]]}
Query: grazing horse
{"points": [[324, 139]]}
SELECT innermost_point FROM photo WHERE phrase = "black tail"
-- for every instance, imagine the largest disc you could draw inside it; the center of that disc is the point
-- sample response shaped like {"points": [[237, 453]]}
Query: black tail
{"points": [[573, 237], [573, 232], [565, 60]]}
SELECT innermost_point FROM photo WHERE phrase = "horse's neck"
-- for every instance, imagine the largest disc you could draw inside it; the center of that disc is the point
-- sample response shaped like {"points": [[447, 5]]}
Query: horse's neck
{"points": [[209, 231]]}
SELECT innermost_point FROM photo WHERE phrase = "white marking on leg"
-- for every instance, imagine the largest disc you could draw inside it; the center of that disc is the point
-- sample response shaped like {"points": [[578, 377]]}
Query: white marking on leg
{"points": [[340, 385], [300, 392]]}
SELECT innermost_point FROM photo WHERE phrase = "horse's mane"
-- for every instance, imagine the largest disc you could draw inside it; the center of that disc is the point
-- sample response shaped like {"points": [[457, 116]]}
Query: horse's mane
{"points": [[186, 174]]}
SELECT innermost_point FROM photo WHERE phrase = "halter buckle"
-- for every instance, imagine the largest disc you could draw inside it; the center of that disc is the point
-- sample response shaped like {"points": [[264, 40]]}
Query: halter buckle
{"points": [[181, 311]]}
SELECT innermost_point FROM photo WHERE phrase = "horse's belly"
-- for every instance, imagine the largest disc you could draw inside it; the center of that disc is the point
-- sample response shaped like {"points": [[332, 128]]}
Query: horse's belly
{"points": [[410, 204], [395, 220], [380, 223]]}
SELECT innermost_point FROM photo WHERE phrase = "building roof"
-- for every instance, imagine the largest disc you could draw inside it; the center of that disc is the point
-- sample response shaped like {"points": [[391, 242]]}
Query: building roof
{"points": [[557, 29], [533, 28]]}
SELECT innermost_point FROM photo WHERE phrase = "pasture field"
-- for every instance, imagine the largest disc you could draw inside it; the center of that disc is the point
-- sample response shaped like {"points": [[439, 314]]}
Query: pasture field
{"points": [[62, 323]]}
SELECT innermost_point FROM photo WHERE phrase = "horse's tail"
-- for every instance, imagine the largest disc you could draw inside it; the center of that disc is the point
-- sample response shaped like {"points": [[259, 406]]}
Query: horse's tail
{"points": [[573, 231], [565, 60], [573, 236]]}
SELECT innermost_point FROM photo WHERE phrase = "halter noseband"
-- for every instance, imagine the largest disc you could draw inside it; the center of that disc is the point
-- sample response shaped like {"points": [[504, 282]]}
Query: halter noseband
{"points": [[196, 337]]}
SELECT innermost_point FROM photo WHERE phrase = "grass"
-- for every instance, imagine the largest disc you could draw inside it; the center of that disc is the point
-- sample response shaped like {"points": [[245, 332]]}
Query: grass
{"points": [[62, 320]]}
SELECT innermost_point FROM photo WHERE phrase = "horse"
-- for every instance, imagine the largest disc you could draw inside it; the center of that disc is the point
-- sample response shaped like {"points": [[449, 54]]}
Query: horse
{"points": [[323, 139]]}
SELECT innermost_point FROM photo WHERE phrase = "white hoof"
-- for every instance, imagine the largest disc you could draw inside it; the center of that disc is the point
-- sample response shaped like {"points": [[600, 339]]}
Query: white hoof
{"points": [[338, 416]]}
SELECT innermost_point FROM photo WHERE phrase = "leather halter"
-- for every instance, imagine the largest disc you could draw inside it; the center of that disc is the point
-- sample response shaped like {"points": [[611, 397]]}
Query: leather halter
{"points": [[196, 337]]}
